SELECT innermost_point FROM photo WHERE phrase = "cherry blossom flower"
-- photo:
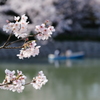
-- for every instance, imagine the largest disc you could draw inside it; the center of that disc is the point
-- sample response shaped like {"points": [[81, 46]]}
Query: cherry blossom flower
{"points": [[39, 80], [9, 76], [29, 49], [8, 28], [19, 28], [17, 82], [13, 82], [16, 18], [44, 32]]}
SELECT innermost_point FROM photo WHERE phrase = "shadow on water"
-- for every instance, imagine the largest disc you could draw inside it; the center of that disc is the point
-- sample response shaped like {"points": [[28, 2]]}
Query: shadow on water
{"points": [[79, 81]]}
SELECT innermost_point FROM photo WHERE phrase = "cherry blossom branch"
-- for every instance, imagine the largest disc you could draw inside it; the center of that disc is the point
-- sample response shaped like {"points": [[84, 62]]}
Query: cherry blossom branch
{"points": [[19, 29], [5, 47], [3, 84], [17, 82], [22, 39], [6, 41], [7, 44], [27, 83], [29, 48], [13, 84], [13, 47]]}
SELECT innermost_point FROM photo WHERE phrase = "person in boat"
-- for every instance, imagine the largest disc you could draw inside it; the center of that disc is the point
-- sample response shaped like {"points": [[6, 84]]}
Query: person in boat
{"points": [[57, 52], [68, 52]]}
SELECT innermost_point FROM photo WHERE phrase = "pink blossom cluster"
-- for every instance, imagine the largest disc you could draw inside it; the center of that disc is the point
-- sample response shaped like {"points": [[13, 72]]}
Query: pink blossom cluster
{"points": [[29, 49], [17, 82], [45, 32], [19, 28], [39, 80], [13, 82]]}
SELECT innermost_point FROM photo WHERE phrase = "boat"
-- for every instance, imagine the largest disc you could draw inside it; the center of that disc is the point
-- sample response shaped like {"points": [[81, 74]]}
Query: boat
{"points": [[77, 55]]}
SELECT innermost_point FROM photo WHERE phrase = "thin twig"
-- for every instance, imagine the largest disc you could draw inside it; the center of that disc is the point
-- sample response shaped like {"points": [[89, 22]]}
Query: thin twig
{"points": [[27, 83], [21, 39], [7, 39], [4, 84], [7, 44], [13, 84], [12, 47], [1, 47]]}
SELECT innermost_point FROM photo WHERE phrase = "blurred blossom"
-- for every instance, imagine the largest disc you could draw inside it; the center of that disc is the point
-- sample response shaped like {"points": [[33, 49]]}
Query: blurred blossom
{"points": [[39, 10], [39, 80]]}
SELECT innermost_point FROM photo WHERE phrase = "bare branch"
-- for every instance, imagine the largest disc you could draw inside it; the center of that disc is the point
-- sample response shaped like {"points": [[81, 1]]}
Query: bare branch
{"points": [[7, 40], [27, 83], [11, 84], [21, 39], [7, 44], [12, 47]]}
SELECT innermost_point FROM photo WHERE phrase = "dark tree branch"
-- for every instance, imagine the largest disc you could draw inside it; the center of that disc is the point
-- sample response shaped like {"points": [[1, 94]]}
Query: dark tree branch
{"points": [[6, 44], [7, 40]]}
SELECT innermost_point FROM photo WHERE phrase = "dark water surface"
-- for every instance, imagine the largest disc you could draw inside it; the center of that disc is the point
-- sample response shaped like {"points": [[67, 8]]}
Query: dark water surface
{"points": [[68, 80]]}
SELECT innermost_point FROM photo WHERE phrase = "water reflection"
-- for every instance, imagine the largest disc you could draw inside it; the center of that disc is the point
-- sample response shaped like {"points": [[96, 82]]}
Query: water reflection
{"points": [[67, 63], [75, 62], [80, 82]]}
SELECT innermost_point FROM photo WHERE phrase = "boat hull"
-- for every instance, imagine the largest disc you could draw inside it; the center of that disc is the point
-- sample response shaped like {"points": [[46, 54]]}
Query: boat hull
{"points": [[73, 56]]}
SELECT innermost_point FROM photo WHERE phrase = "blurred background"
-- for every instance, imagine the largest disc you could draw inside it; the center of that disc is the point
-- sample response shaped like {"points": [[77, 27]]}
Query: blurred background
{"points": [[70, 58]]}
